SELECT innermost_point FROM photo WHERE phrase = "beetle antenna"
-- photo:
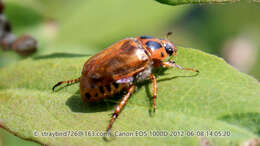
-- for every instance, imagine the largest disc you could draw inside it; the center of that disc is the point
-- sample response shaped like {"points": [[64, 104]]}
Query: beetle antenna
{"points": [[66, 82], [168, 34]]}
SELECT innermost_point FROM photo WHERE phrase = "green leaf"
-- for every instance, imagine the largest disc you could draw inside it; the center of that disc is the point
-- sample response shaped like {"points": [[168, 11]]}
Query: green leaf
{"points": [[179, 2], [114, 19], [77, 21], [218, 99]]}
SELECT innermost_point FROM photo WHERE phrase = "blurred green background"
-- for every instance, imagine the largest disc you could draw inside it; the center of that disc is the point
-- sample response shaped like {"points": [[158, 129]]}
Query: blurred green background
{"points": [[231, 31]]}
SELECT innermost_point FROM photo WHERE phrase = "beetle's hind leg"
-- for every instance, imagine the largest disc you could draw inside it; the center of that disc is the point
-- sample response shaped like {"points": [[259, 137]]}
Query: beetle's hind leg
{"points": [[66, 82], [120, 107]]}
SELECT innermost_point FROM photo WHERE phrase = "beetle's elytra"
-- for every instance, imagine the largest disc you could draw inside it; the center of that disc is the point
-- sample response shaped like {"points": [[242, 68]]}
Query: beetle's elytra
{"points": [[120, 66]]}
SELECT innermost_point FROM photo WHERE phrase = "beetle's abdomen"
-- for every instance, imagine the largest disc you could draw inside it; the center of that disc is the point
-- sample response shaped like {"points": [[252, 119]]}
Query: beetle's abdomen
{"points": [[92, 91]]}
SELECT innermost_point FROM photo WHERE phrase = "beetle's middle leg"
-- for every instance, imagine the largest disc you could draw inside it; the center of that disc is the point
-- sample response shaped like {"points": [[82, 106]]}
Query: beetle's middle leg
{"points": [[120, 107], [152, 77]]}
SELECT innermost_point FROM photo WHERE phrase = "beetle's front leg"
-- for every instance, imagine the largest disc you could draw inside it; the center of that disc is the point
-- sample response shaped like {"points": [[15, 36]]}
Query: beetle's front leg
{"points": [[120, 107], [173, 64]]}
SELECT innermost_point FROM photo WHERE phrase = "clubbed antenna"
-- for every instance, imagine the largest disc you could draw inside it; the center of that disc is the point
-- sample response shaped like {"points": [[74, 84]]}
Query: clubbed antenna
{"points": [[168, 34]]}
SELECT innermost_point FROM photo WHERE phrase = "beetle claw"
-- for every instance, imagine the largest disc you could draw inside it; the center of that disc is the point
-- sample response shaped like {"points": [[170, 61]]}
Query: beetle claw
{"points": [[53, 88], [108, 136]]}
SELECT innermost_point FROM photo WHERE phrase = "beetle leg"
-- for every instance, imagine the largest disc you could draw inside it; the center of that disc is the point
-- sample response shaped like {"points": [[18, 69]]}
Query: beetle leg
{"points": [[118, 77], [173, 64], [66, 82], [152, 77], [120, 107]]}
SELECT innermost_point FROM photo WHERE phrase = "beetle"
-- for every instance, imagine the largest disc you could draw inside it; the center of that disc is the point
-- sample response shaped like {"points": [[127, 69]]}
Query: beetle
{"points": [[122, 65]]}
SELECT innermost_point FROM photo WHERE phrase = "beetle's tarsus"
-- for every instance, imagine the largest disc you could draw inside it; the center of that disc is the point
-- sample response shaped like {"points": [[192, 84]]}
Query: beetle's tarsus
{"points": [[108, 136], [53, 88], [67, 82]]}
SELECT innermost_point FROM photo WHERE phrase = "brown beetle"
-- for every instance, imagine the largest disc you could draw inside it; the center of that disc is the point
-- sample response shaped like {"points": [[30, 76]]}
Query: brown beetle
{"points": [[120, 66]]}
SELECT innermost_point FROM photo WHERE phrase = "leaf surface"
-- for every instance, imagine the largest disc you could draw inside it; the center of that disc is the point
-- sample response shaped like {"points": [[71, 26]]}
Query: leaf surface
{"points": [[218, 99], [180, 2]]}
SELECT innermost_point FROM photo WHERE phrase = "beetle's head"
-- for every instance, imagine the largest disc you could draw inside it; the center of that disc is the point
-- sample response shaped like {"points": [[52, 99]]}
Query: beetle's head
{"points": [[168, 45], [159, 48]]}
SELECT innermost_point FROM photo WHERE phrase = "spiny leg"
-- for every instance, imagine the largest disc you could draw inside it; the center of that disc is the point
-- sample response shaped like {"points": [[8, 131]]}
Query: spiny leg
{"points": [[152, 77], [173, 64], [66, 82], [120, 107]]}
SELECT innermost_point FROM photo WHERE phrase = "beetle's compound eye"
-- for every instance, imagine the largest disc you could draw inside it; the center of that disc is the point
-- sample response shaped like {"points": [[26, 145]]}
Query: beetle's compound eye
{"points": [[169, 49], [153, 45]]}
